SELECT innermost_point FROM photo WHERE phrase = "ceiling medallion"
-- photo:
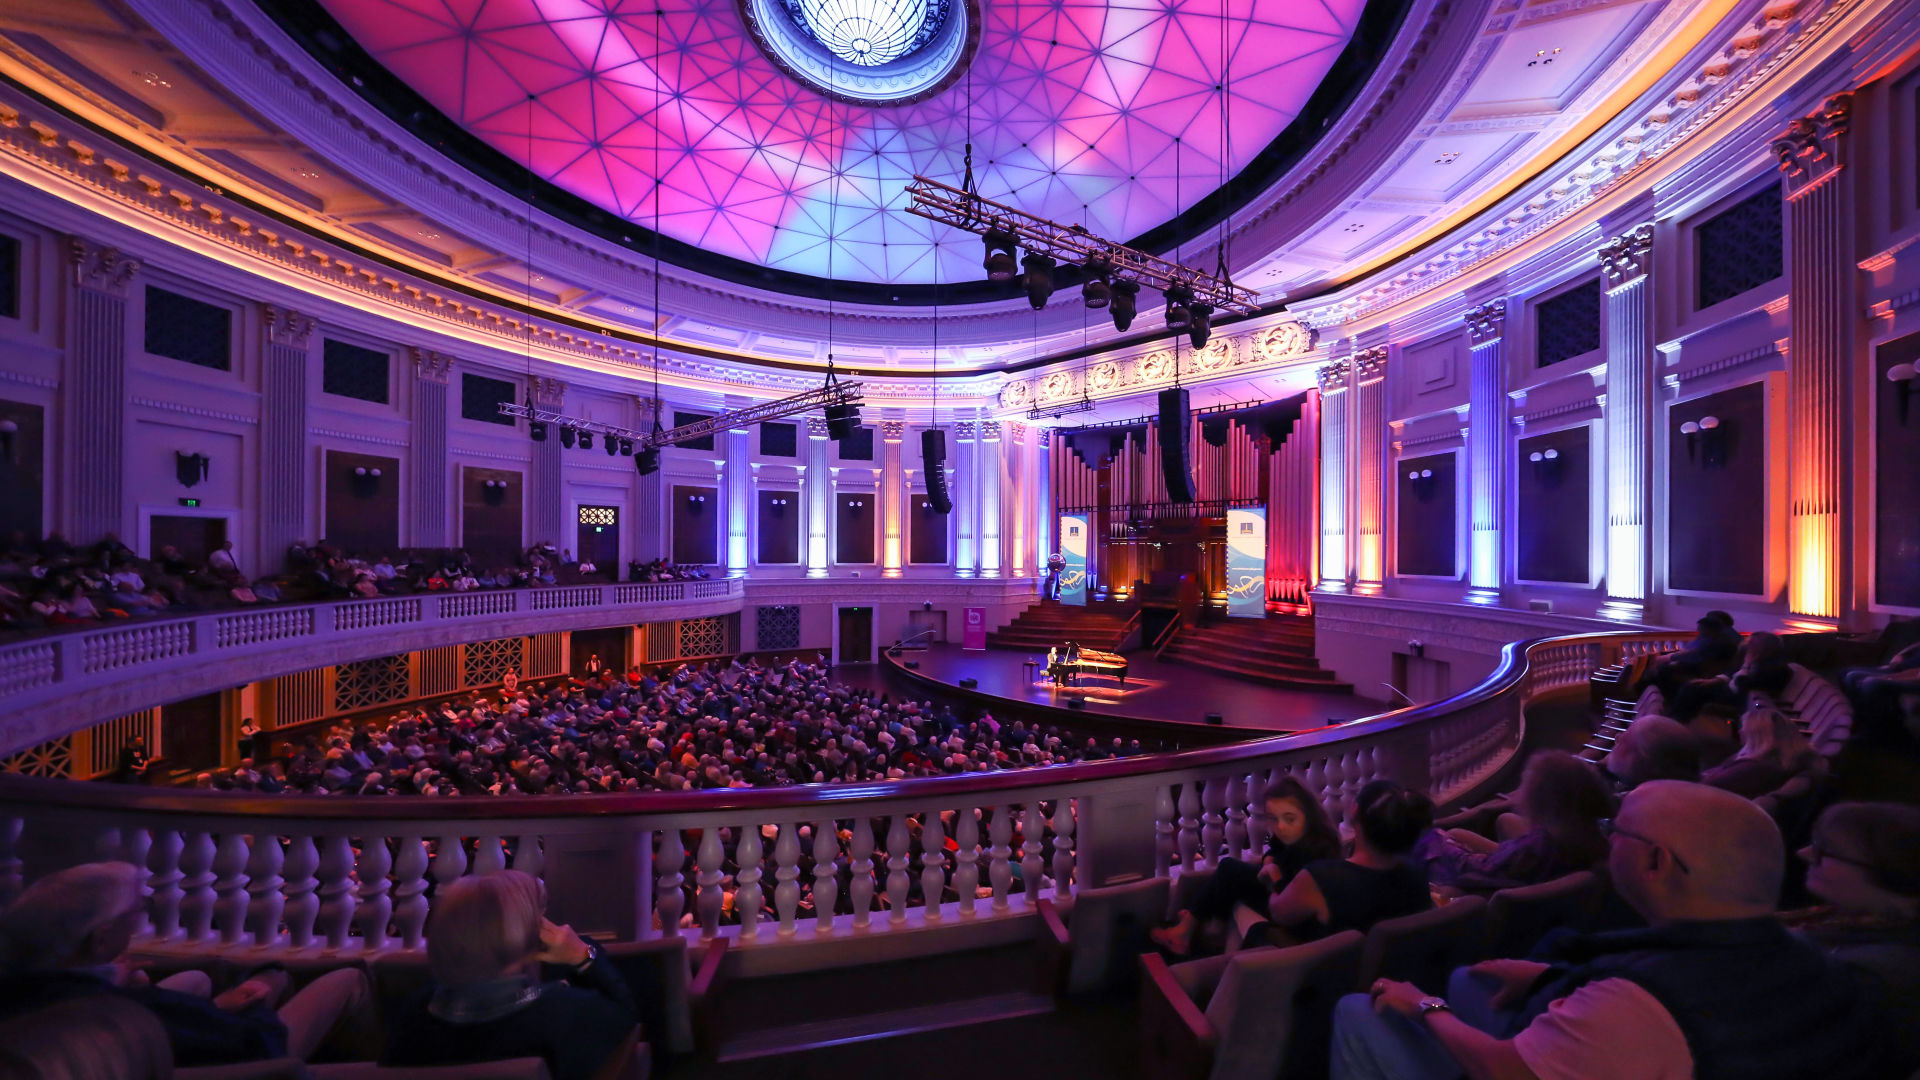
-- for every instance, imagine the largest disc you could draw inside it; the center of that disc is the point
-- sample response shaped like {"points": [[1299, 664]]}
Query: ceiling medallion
{"points": [[867, 52]]}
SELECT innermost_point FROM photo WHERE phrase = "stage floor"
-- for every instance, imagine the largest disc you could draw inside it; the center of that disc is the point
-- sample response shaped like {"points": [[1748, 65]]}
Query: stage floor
{"points": [[1154, 691]]}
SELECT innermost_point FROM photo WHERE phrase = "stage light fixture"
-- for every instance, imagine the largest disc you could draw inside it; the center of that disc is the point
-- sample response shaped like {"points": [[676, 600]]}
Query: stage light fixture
{"points": [[1179, 316], [1126, 302], [626, 447], [567, 437], [1039, 279], [647, 462], [999, 262], [1096, 293], [586, 440], [613, 446], [1201, 320], [537, 431]]}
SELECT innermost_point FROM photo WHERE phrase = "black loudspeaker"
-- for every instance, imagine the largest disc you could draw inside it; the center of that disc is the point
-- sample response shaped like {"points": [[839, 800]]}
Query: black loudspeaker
{"points": [[913, 665], [647, 462], [1215, 718], [842, 420], [933, 455], [969, 684], [1076, 703], [1173, 445]]}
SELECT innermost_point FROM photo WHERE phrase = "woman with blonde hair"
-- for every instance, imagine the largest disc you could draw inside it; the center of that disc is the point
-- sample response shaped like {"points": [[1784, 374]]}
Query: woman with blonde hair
{"points": [[487, 944], [95, 1038], [1772, 751]]}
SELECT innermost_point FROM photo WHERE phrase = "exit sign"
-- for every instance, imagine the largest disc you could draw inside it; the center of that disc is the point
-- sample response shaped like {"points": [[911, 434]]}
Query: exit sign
{"points": [[189, 502]]}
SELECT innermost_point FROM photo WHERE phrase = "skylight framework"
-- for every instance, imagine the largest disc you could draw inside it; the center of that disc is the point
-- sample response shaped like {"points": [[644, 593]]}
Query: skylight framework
{"points": [[869, 33]]}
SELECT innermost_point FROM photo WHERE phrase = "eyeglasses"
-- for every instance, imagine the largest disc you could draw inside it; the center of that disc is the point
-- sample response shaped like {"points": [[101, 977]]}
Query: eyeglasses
{"points": [[1608, 827]]}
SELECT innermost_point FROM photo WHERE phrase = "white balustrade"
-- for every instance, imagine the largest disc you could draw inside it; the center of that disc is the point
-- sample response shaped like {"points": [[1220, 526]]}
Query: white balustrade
{"points": [[112, 650], [489, 857], [336, 891], [860, 871], [1213, 832], [826, 874], [528, 857], [266, 889], [487, 602], [898, 883], [196, 885], [376, 901], [165, 913], [368, 614], [1189, 836], [1062, 847], [966, 859], [1163, 827], [710, 860], [669, 902], [410, 891], [25, 667], [1033, 833], [933, 863], [1236, 797], [230, 887], [999, 856], [303, 897], [262, 626], [554, 599], [748, 897], [786, 890]]}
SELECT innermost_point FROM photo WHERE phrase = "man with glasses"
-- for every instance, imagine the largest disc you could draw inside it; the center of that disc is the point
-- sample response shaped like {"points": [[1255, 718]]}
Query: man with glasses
{"points": [[1714, 986]]}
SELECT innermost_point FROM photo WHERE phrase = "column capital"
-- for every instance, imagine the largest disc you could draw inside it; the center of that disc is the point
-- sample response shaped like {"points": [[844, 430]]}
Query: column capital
{"points": [[285, 326], [965, 430], [893, 430], [430, 366], [1809, 150], [1624, 259], [546, 391], [99, 267], [817, 428], [1016, 431], [1333, 377], [1487, 323], [989, 431], [1370, 365]]}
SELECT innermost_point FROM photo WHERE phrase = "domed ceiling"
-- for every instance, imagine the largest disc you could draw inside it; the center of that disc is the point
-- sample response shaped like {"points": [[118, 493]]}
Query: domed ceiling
{"points": [[768, 138]]}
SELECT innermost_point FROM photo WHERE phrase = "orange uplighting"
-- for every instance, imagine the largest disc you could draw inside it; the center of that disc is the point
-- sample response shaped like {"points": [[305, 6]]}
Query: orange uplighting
{"points": [[1810, 591]]}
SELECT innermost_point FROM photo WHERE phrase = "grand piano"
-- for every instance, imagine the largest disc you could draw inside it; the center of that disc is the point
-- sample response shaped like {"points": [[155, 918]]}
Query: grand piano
{"points": [[1064, 666]]}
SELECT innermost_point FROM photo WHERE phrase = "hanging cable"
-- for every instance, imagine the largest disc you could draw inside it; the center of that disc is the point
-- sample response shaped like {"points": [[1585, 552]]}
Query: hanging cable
{"points": [[1226, 106], [659, 36]]}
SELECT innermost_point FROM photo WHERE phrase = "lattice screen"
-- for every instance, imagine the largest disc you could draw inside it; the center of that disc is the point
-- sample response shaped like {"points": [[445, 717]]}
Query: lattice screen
{"points": [[776, 627], [489, 661], [1742, 247], [53, 759], [184, 328], [715, 635], [370, 682], [1567, 325]]}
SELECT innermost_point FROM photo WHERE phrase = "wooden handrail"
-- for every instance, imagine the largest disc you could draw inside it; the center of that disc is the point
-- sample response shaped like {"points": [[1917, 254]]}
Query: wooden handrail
{"points": [[1166, 636]]}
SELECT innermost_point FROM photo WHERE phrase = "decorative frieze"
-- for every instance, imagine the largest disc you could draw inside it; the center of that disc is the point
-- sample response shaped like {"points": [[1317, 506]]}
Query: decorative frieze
{"points": [[1126, 375], [1809, 150], [1625, 258], [548, 393]]}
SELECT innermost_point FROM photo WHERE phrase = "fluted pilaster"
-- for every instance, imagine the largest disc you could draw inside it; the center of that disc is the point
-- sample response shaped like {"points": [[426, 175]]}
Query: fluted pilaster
{"points": [[1334, 399], [992, 465], [966, 499], [892, 497], [96, 389], [1486, 447], [1625, 261], [427, 511], [546, 494], [284, 495], [739, 482], [1822, 282], [1370, 468], [819, 481]]}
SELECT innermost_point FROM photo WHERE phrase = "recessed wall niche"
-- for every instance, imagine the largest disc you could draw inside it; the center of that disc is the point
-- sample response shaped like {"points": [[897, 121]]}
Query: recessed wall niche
{"points": [[1717, 494], [1428, 517], [1552, 481]]}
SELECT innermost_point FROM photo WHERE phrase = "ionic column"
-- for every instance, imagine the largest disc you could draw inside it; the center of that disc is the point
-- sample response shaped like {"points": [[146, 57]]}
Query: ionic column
{"points": [[1370, 469], [546, 495], [738, 479], [427, 514], [96, 389], [819, 482], [1019, 531], [992, 463], [1625, 261], [966, 508], [283, 435], [1821, 288], [892, 497], [1486, 448], [1334, 399]]}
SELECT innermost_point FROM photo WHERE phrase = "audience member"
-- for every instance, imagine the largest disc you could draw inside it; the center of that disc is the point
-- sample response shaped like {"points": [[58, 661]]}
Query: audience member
{"points": [[1715, 644], [66, 936], [99, 1038], [487, 946], [1878, 693], [1772, 751], [1378, 881], [1763, 670], [1714, 986], [662, 570], [1303, 834], [1561, 802], [1654, 748]]}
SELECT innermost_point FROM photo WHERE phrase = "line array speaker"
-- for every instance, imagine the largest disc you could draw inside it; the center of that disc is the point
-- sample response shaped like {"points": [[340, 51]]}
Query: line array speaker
{"points": [[1173, 445], [933, 455]]}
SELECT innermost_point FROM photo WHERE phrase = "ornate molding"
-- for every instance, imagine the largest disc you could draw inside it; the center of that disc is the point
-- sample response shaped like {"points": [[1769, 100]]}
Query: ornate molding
{"points": [[430, 366], [1809, 150], [966, 430], [893, 430], [1015, 431], [1487, 323], [1626, 258], [190, 410], [1122, 376], [100, 268], [989, 431], [355, 436], [1370, 365], [1333, 377], [817, 428], [550, 392], [286, 327], [1593, 402]]}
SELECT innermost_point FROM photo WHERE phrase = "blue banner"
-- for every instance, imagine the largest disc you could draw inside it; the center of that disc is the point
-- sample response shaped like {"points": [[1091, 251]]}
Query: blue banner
{"points": [[1247, 562], [1074, 536]]}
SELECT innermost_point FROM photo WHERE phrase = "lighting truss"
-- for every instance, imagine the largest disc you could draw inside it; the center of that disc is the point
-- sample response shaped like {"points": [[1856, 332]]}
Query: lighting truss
{"points": [[1055, 412], [834, 393], [1071, 244]]}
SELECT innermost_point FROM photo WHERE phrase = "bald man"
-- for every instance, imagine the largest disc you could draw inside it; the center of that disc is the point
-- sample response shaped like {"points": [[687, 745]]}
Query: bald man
{"points": [[1714, 986]]}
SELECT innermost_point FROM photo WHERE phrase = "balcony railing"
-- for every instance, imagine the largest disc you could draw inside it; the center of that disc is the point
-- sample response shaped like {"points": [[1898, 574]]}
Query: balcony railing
{"points": [[342, 874]]}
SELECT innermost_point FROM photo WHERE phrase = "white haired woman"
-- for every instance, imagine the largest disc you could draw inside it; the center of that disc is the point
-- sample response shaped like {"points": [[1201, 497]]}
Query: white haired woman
{"points": [[487, 943], [1772, 751]]}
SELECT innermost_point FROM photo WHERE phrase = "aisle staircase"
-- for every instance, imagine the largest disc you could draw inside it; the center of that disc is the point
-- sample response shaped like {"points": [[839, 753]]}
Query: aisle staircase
{"points": [[1276, 650], [1049, 623]]}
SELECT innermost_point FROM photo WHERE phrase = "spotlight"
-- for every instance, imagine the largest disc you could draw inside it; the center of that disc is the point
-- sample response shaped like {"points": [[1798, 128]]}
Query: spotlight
{"points": [[613, 446], [538, 431], [1202, 328], [1039, 279], [1178, 315], [842, 420], [586, 440], [1126, 301], [626, 447], [1096, 293], [647, 462], [567, 436], [999, 261]]}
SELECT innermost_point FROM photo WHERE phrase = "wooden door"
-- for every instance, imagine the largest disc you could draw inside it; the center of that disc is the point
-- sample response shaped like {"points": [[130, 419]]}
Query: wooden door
{"points": [[597, 541], [856, 635], [194, 537]]}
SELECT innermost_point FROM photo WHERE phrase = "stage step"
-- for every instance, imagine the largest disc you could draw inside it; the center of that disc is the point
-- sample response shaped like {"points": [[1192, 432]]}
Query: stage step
{"points": [[1275, 651], [1050, 623]]}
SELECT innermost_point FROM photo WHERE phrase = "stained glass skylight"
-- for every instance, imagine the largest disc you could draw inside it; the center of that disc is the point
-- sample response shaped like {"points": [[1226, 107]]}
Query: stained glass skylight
{"points": [[1083, 110], [866, 32]]}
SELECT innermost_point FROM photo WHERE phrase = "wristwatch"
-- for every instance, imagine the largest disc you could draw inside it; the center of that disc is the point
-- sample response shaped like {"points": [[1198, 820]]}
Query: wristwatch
{"points": [[1431, 1005]]}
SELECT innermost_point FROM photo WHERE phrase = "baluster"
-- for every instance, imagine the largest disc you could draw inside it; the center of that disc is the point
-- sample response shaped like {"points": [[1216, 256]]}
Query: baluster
{"points": [[1189, 836], [1213, 833], [748, 897], [1033, 831], [966, 859], [410, 891], [933, 864], [138, 842], [337, 897], [230, 886], [669, 901], [860, 871], [1260, 823], [488, 856], [710, 862], [449, 861], [1236, 796], [1163, 814], [527, 855], [263, 887], [999, 864], [826, 874], [897, 880], [786, 860], [196, 883], [1063, 852], [303, 905], [106, 844], [12, 877], [376, 903]]}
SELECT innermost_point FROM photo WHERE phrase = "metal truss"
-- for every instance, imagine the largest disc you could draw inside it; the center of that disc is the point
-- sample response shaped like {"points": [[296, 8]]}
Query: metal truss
{"points": [[1071, 244], [834, 393]]}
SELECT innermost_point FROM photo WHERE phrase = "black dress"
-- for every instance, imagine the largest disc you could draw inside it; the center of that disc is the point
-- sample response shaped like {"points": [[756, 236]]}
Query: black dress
{"points": [[1237, 883], [1358, 896]]}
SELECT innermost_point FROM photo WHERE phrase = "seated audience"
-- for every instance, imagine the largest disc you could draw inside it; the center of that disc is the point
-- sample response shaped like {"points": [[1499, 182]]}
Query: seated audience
{"points": [[1378, 881], [487, 945], [1714, 646], [1864, 864], [66, 936], [662, 570], [85, 1039], [1654, 748], [1714, 986], [1763, 670], [1772, 751], [1882, 693], [1560, 803], [1302, 834]]}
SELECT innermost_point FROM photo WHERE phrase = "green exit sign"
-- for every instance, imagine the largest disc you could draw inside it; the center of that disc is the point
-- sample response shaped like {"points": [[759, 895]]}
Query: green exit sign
{"points": [[189, 502]]}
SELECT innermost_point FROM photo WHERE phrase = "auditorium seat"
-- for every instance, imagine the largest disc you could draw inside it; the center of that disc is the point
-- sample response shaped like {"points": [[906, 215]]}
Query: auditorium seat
{"points": [[1517, 918], [1088, 942], [528, 1068], [1424, 948], [674, 999], [271, 1069], [1254, 1015]]}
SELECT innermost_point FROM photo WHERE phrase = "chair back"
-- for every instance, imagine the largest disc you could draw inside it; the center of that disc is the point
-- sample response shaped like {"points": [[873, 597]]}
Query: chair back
{"points": [[1273, 1008], [528, 1068], [1425, 947], [1107, 928], [658, 972], [397, 979], [1517, 918]]}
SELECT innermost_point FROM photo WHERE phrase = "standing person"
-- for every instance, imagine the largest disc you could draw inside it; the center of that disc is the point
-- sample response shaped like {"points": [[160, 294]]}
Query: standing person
{"points": [[249, 738], [1056, 563], [510, 682], [593, 666], [134, 762]]}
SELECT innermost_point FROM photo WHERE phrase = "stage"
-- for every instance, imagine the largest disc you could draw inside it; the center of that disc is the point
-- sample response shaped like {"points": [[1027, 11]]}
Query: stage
{"points": [[1154, 692]]}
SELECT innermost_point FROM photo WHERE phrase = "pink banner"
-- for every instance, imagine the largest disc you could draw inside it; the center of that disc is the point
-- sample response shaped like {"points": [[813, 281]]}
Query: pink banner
{"points": [[974, 636]]}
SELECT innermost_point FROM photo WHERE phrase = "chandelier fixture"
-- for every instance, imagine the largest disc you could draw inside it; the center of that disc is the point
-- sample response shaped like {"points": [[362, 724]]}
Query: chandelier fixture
{"points": [[869, 33]]}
